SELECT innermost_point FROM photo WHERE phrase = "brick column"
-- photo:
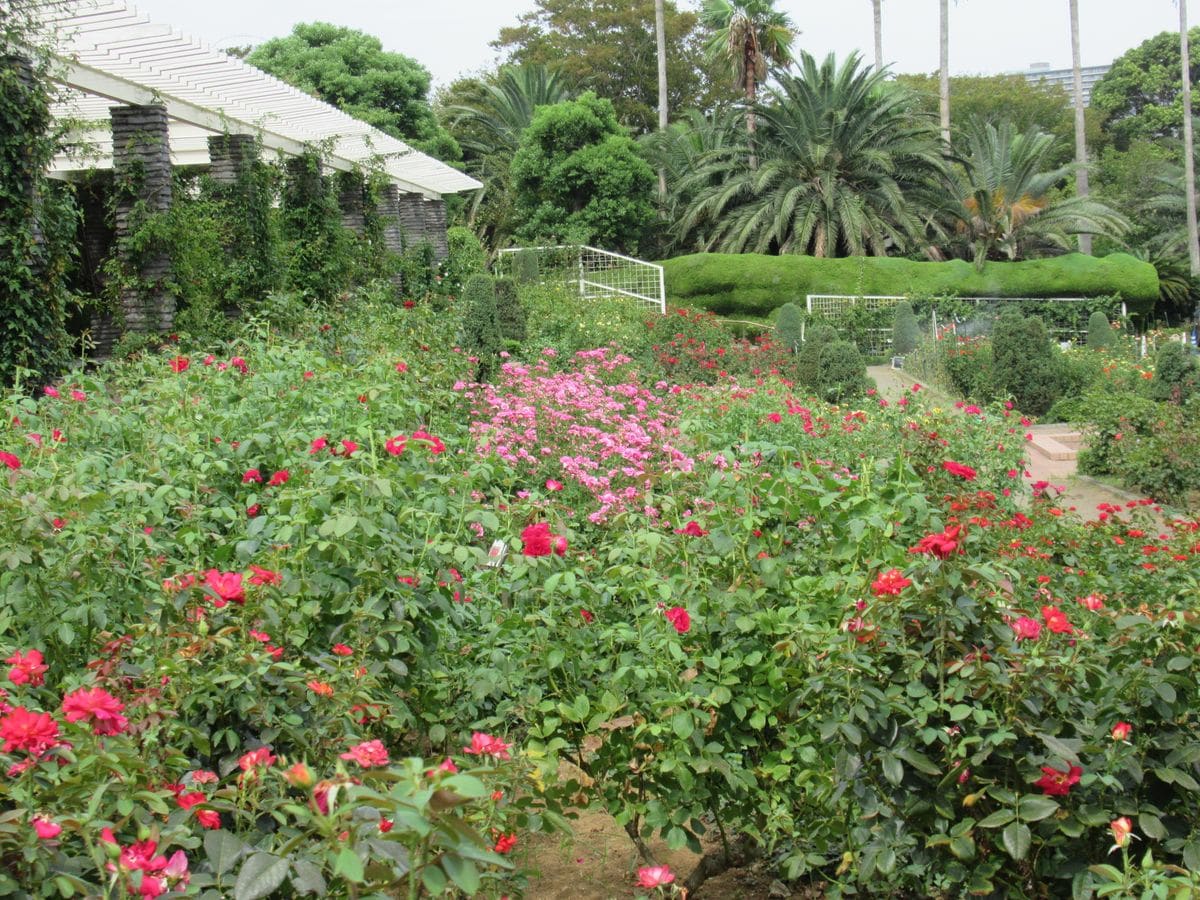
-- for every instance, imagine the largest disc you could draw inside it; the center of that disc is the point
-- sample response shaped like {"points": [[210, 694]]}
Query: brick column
{"points": [[230, 155], [388, 209], [435, 228], [142, 174], [412, 219], [350, 197]]}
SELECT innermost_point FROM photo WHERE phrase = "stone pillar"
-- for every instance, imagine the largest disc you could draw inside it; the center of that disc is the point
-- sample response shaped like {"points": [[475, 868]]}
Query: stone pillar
{"points": [[412, 219], [350, 196], [230, 155], [142, 176], [96, 231], [435, 228], [26, 208], [388, 208]]}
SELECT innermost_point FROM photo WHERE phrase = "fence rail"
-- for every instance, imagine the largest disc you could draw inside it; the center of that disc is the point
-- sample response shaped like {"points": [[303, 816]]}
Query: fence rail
{"points": [[589, 271]]}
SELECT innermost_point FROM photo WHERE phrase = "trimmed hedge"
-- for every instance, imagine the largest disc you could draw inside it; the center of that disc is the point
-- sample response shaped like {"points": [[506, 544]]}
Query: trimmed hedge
{"points": [[750, 284]]}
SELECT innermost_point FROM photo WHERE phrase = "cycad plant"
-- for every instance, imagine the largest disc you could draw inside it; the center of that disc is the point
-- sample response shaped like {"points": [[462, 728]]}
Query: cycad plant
{"points": [[1008, 198], [845, 160]]}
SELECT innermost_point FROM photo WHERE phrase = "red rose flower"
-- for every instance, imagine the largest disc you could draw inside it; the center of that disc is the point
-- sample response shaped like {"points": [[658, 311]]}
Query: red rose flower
{"points": [[483, 744], [208, 818], [941, 545], [97, 707], [964, 472], [679, 618], [226, 585], [33, 732], [1056, 620], [368, 754], [1026, 628], [890, 583], [27, 668], [280, 477], [1058, 784]]}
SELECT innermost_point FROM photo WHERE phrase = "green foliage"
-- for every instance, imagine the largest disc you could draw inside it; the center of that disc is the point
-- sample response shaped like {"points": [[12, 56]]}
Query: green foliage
{"points": [[789, 327], [749, 37], [467, 258], [1100, 335], [747, 284], [352, 71], [319, 252], [510, 313], [1007, 204], [841, 155], [1141, 94], [808, 361], [37, 223], [905, 331], [579, 178], [1176, 374], [1027, 363], [609, 47], [841, 372], [482, 336], [526, 266]]}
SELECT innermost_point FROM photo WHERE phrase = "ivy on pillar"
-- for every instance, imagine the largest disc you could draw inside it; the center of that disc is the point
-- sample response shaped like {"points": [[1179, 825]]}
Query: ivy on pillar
{"points": [[243, 185], [387, 208], [320, 262], [142, 185]]}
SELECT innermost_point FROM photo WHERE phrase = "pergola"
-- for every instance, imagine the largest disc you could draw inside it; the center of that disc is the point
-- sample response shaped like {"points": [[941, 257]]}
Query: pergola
{"points": [[143, 98], [108, 53]]}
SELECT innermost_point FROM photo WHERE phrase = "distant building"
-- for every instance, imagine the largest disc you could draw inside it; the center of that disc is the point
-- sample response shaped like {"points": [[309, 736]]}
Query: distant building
{"points": [[1041, 72]]}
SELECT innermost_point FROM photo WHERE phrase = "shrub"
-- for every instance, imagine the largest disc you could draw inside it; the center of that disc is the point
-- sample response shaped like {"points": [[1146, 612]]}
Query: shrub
{"points": [[510, 314], [481, 325], [1028, 366], [808, 363], [467, 257], [789, 327], [749, 284], [526, 267], [1100, 335], [1175, 373], [842, 372], [905, 332]]}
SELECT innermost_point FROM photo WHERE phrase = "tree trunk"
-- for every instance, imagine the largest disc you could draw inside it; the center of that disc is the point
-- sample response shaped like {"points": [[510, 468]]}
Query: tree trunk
{"points": [[1189, 157], [660, 30], [1081, 174], [878, 11], [944, 93], [751, 93]]}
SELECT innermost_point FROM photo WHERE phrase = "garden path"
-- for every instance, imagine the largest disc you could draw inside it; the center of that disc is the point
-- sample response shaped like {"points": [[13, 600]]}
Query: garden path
{"points": [[1081, 494]]}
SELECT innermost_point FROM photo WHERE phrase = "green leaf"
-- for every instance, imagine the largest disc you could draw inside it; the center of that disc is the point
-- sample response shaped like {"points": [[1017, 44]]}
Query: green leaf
{"points": [[307, 878], [261, 874], [1191, 856], [1033, 808], [893, 770], [683, 724], [463, 873], [997, 819], [963, 847], [1059, 748], [1152, 826], [349, 866], [1017, 839], [1178, 663], [918, 761], [959, 711]]}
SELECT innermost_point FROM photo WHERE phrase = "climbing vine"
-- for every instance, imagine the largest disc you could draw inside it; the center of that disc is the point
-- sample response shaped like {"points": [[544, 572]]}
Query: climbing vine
{"points": [[37, 218]]}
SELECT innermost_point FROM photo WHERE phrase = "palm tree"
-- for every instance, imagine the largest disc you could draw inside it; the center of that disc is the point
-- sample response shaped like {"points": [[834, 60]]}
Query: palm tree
{"points": [[844, 154], [751, 35], [1081, 174], [944, 71], [877, 10], [1189, 160], [1005, 208], [488, 126]]}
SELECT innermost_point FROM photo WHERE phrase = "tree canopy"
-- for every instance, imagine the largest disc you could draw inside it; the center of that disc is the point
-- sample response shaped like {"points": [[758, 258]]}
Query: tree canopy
{"points": [[352, 71], [608, 46], [1141, 96], [579, 178]]}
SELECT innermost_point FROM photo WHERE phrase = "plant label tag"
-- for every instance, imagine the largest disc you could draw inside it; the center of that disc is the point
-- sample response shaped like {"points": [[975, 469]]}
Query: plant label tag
{"points": [[496, 554]]}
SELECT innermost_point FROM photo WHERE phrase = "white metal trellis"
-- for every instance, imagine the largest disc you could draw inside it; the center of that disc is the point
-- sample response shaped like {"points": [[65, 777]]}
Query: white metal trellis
{"points": [[593, 272]]}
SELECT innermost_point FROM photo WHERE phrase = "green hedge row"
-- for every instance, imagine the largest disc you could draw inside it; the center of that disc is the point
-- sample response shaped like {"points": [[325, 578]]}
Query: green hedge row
{"points": [[750, 284]]}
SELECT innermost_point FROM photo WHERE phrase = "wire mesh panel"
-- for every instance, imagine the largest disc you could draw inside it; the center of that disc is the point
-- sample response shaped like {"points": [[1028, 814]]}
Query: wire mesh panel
{"points": [[589, 272]]}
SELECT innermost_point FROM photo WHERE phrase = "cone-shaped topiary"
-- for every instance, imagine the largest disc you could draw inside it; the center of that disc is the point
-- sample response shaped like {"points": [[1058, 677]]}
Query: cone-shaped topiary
{"points": [[481, 328], [789, 327], [842, 372], [1028, 365], [1175, 374], [905, 331], [808, 362], [510, 314], [1100, 335], [525, 267]]}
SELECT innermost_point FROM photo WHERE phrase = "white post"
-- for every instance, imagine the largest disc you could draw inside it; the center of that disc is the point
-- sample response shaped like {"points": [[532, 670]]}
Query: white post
{"points": [[581, 285], [933, 313], [662, 291]]}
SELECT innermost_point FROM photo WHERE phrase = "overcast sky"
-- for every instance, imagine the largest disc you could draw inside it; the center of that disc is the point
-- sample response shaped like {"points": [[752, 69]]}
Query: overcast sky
{"points": [[450, 37]]}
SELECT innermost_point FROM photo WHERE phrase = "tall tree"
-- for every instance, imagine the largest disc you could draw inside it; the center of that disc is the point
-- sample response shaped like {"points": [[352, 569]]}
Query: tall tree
{"points": [[877, 11], [1141, 96], [1189, 155], [751, 36], [352, 71], [944, 70], [1081, 174], [609, 46], [660, 32]]}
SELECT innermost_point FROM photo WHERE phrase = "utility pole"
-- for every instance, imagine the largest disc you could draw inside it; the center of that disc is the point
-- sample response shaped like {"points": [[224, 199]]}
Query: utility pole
{"points": [[1189, 155], [1081, 173], [660, 30]]}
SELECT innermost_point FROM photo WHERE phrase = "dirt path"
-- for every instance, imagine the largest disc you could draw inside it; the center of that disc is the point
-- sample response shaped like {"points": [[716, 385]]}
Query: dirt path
{"points": [[1081, 494]]}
